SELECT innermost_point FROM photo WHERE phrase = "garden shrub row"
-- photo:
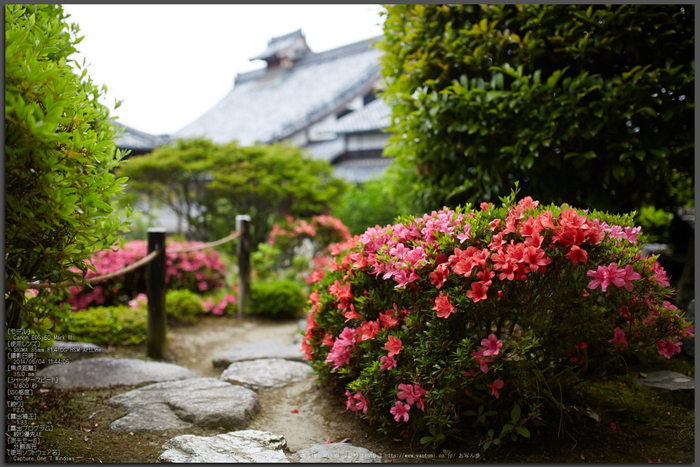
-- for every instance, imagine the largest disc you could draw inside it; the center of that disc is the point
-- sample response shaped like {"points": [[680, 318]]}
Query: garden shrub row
{"points": [[485, 318]]}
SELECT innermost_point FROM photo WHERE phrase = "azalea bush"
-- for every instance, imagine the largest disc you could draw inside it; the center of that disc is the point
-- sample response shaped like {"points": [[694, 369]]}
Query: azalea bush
{"points": [[321, 233], [197, 271], [106, 325], [485, 318], [184, 306]]}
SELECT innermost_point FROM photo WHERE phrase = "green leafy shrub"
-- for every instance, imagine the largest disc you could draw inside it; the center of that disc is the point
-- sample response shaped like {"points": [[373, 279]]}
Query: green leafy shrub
{"points": [[591, 105], [183, 306], [655, 222], [113, 325], [487, 319], [276, 299], [367, 205], [59, 156]]}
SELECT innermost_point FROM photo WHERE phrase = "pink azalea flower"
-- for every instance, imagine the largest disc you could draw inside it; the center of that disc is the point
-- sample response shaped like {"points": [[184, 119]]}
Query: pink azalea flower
{"points": [[400, 410], [387, 363], [668, 348], [393, 346], [442, 306], [603, 277], [624, 276], [632, 234], [577, 255], [406, 393], [491, 345], [619, 340], [478, 291], [468, 373], [496, 388]]}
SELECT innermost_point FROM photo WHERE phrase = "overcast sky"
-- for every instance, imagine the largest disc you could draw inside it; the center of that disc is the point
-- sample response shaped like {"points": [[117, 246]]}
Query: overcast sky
{"points": [[171, 63]]}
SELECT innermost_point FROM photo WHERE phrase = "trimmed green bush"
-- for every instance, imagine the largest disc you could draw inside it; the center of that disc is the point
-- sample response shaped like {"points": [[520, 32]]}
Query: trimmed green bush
{"points": [[183, 306], [114, 325], [276, 299], [591, 105]]}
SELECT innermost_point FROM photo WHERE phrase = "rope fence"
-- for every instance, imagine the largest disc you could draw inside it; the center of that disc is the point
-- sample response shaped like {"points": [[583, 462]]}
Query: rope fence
{"points": [[155, 263], [145, 260]]}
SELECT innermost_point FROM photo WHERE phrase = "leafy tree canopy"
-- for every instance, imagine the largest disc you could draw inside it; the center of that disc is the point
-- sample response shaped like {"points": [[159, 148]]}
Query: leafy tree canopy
{"points": [[209, 184]]}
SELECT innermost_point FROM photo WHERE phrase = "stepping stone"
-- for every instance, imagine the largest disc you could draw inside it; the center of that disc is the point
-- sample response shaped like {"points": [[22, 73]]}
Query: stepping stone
{"points": [[250, 446], [106, 372], [265, 373], [338, 453], [674, 386], [74, 350], [204, 402], [302, 325], [257, 351]]}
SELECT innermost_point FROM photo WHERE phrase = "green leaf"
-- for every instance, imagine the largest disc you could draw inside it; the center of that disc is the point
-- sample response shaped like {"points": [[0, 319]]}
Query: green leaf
{"points": [[426, 439], [523, 431], [507, 427], [515, 414]]}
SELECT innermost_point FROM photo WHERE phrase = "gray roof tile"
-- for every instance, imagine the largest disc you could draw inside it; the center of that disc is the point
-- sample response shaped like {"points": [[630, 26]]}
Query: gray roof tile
{"points": [[326, 150], [374, 116], [135, 140]]}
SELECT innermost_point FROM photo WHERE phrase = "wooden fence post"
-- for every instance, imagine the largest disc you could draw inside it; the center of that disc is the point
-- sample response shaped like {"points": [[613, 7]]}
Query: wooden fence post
{"points": [[156, 345], [243, 250]]}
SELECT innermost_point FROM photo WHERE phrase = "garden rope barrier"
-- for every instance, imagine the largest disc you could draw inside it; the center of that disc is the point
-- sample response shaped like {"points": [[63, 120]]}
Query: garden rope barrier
{"points": [[145, 260]]}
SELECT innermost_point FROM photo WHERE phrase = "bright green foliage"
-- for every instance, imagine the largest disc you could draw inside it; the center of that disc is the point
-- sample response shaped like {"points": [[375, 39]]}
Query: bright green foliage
{"points": [[183, 306], [209, 184], [366, 205], [113, 325], [276, 299], [588, 105], [59, 151], [655, 223]]}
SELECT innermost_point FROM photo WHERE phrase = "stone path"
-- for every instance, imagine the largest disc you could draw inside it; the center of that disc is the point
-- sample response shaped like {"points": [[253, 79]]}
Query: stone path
{"points": [[179, 399]]}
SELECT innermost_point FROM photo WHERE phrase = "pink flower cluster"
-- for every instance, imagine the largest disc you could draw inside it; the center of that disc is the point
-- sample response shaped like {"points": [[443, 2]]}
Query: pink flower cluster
{"points": [[342, 347], [198, 271], [356, 402], [606, 275], [411, 394]]}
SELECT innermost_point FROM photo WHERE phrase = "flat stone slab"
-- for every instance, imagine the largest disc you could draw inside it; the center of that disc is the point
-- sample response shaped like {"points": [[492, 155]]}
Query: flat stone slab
{"points": [[250, 446], [265, 373], [679, 387], [204, 402], [257, 351], [106, 372], [338, 453]]}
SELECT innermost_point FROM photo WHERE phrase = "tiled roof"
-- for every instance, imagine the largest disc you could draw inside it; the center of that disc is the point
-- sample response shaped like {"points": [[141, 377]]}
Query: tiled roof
{"points": [[374, 116], [359, 170], [286, 101], [135, 140]]}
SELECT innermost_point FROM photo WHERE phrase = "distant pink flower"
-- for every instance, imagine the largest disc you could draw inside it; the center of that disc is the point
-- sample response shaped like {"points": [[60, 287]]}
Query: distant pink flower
{"points": [[482, 360], [387, 363], [400, 410], [491, 345], [468, 373], [496, 388], [668, 348], [619, 340]]}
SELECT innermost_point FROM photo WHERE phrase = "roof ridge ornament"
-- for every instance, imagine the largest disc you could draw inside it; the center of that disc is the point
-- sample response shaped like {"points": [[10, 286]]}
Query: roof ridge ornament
{"points": [[283, 51]]}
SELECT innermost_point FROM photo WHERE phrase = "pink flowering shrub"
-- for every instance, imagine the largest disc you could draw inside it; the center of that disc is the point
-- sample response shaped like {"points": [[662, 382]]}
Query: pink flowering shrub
{"points": [[485, 318], [323, 231], [198, 271]]}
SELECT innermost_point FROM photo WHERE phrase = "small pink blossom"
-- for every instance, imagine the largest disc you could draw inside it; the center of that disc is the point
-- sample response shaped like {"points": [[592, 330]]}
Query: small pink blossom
{"points": [[443, 306], [619, 340], [496, 388], [387, 363], [400, 410], [491, 345]]}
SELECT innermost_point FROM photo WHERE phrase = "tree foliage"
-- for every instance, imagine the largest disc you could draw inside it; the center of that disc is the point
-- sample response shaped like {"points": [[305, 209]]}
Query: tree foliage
{"points": [[59, 151], [209, 184], [588, 105]]}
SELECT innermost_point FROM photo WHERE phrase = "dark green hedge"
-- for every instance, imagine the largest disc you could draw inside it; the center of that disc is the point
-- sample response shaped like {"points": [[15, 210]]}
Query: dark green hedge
{"points": [[588, 105]]}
